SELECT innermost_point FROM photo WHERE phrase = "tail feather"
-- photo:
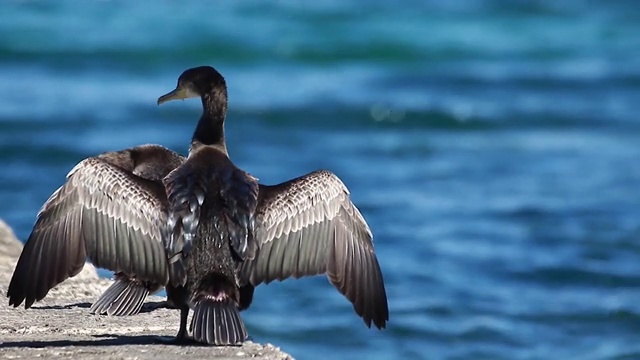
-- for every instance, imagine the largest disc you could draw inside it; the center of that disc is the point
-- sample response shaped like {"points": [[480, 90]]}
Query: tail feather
{"points": [[218, 322], [123, 298]]}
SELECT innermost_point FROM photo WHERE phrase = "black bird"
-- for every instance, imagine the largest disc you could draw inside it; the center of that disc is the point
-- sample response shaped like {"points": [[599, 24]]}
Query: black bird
{"points": [[223, 233]]}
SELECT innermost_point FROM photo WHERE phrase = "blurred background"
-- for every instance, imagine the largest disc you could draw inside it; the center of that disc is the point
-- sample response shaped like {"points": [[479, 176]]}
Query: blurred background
{"points": [[493, 147]]}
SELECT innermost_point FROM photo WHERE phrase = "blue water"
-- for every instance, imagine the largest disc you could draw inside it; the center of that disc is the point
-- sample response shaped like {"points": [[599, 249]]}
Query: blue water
{"points": [[493, 147]]}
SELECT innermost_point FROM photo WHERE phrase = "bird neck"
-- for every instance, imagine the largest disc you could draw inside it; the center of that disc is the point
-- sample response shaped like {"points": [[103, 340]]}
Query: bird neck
{"points": [[210, 129]]}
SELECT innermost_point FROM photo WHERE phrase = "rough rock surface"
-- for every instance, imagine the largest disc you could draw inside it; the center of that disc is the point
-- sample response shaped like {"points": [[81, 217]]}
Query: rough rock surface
{"points": [[61, 327]]}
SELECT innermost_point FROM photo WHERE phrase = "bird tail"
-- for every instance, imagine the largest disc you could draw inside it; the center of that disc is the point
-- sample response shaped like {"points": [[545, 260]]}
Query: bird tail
{"points": [[123, 298], [216, 321]]}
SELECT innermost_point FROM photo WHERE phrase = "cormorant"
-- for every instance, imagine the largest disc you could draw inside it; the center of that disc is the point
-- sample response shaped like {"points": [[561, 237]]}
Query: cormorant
{"points": [[208, 230]]}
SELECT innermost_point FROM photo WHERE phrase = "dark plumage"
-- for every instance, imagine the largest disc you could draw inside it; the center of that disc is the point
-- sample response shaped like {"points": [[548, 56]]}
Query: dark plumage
{"points": [[226, 233], [207, 230], [212, 205]]}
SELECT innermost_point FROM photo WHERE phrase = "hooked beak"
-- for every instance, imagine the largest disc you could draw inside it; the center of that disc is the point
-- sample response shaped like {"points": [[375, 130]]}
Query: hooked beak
{"points": [[177, 94]]}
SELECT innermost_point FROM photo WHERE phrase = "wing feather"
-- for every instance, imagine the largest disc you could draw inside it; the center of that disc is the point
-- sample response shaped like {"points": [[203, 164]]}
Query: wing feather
{"points": [[103, 211], [308, 226]]}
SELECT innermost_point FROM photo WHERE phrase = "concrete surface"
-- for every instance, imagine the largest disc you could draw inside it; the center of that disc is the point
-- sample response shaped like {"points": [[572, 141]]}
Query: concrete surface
{"points": [[61, 327]]}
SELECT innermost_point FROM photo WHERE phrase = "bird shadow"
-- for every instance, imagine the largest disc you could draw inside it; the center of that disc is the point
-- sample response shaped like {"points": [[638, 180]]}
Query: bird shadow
{"points": [[156, 305], [111, 340], [83, 305], [146, 308], [107, 340]]}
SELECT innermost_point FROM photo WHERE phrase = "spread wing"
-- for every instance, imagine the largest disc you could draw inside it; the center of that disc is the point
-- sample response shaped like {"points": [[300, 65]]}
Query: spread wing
{"points": [[103, 211], [309, 226]]}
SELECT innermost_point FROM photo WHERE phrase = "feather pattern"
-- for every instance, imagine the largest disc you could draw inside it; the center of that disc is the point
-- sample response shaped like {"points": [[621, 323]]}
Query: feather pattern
{"points": [[186, 189], [124, 297], [208, 175], [309, 226], [110, 210]]}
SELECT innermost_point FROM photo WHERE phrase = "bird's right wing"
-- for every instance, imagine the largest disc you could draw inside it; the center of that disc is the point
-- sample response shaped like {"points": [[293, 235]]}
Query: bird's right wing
{"points": [[309, 226], [102, 211]]}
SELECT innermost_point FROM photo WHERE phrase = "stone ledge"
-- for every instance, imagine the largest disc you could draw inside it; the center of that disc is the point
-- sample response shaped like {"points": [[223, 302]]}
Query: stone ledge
{"points": [[61, 327]]}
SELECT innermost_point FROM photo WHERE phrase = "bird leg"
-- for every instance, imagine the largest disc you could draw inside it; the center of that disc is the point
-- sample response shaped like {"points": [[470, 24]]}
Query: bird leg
{"points": [[182, 333], [182, 337]]}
